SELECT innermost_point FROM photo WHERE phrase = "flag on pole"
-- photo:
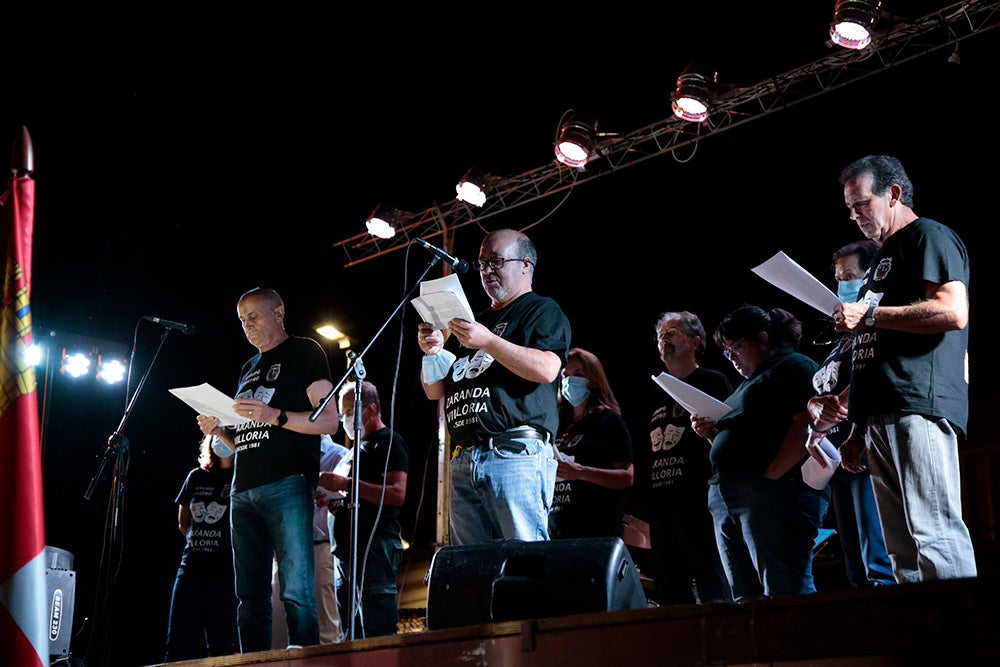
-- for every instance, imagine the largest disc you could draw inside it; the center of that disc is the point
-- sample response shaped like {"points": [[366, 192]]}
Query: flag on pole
{"points": [[24, 616]]}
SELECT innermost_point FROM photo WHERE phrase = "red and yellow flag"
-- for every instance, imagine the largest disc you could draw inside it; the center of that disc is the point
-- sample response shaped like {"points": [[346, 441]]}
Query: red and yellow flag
{"points": [[24, 617]]}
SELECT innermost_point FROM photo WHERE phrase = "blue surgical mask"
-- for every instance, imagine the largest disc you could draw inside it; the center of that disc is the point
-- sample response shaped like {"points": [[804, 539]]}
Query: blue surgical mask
{"points": [[574, 389], [848, 290]]}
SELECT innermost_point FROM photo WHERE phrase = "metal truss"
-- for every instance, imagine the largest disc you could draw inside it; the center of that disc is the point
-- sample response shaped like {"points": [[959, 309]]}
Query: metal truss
{"points": [[733, 107]]}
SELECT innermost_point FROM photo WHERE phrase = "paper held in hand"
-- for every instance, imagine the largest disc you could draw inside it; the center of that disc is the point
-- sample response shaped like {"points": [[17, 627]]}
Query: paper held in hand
{"points": [[207, 400], [441, 300], [691, 399], [784, 273], [816, 475], [343, 467]]}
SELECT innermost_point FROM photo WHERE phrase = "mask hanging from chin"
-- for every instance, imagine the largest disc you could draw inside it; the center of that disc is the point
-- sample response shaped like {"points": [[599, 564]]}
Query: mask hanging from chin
{"points": [[574, 389]]}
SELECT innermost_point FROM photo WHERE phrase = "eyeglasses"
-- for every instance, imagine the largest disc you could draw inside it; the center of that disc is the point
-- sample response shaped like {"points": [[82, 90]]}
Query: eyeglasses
{"points": [[733, 348], [670, 334], [496, 263]]}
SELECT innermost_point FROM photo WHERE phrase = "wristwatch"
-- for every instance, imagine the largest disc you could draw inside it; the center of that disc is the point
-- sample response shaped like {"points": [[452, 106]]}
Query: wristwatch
{"points": [[282, 419], [870, 316]]}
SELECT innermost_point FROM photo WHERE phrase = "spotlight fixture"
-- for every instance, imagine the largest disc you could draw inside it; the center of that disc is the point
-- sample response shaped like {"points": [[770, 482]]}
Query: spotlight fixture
{"points": [[576, 141], [472, 187], [78, 363], [110, 371], [854, 23], [75, 364], [692, 98], [331, 332], [384, 221]]}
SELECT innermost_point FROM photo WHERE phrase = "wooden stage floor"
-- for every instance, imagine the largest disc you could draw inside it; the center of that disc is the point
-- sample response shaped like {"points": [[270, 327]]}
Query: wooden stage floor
{"points": [[940, 623]]}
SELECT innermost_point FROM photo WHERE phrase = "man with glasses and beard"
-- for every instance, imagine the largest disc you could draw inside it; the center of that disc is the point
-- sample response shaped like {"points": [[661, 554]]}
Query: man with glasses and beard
{"points": [[498, 376]]}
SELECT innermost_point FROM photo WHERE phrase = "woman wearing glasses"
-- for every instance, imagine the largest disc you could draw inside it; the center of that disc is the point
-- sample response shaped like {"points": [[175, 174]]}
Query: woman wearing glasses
{"points": [[766, 518]]}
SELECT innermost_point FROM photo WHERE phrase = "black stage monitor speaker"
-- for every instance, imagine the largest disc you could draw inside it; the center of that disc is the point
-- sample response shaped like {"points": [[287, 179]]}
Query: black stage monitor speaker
{"points": [[510, 580], [60, 581]]}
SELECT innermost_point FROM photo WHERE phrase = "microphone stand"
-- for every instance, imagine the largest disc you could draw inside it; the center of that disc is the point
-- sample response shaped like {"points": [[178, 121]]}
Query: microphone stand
{"points": [[117, 450], [357, 370], [355, 505], [118, 443]]}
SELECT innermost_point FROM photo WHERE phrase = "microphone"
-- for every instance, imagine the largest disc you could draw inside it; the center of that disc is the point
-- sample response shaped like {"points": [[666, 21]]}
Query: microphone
{"points": [[460, 265], [183, 328]]}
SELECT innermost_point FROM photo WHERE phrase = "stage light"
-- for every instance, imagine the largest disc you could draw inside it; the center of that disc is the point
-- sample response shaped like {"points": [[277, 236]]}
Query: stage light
{"points": [[75, 364], [472, 188], [854, 22], [33, 355], [110, 371], [692, 98], [576, 141], [331, 332], [384, 221], [79, 364]]}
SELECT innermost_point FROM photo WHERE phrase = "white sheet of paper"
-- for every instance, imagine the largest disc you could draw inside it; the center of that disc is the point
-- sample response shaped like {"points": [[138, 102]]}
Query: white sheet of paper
{"points": [[816, 475], [691, 399], [343, 467], [207, 400], [784, 273], [442, 300]]}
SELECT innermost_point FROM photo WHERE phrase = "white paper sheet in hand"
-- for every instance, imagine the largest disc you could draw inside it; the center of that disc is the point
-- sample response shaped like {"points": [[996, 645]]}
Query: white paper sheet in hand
{"points": [[816, 475], [691, 399], [442, 300], [207, 400], [343, 467], [782, 272]]}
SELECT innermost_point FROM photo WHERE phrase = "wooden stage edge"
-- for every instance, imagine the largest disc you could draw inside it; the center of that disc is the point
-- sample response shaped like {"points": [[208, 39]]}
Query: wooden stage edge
{"points": [[953, 622]]}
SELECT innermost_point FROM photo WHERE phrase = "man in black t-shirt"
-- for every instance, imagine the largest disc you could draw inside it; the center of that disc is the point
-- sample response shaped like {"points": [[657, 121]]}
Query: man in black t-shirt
{"points": [[382, 462], [498, 378], [909, 382], [686, 563], [276, 470]]}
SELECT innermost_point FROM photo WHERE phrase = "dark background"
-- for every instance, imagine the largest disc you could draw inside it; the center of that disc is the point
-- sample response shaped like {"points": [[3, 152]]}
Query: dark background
{"points": [[180, 162]]}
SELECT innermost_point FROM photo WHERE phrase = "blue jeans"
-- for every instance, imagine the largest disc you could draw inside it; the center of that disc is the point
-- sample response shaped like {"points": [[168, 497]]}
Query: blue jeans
{"points": [[275, 521], [859, 531], [766, 530], [918, 489], [502, 489]]}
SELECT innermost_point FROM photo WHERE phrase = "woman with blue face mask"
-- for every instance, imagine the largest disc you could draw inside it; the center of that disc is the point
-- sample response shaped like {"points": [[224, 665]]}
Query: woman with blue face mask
{"points": [[594, 450]]}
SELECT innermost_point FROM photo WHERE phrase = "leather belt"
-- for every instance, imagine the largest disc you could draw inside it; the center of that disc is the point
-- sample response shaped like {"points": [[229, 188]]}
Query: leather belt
{"points": [[522, 432], [526, 432]]}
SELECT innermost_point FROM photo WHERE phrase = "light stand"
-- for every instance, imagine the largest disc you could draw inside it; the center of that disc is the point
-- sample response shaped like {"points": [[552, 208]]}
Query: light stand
{"points": [[357, 370]]}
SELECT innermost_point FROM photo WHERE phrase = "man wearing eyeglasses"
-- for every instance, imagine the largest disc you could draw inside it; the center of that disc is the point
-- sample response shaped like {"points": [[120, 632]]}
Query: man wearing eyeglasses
{"points": [[498, 376]]}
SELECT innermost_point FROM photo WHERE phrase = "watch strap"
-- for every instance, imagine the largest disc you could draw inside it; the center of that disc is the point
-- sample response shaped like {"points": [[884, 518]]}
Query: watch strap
{"points": [[870, 316]]}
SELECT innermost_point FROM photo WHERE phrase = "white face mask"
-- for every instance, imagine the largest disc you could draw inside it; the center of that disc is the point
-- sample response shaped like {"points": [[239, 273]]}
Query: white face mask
{"points": [[349, 427], [574, 389]]}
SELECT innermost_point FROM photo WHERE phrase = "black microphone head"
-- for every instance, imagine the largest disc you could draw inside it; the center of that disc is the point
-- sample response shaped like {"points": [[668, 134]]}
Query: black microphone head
{"points": [[461, 266]]}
